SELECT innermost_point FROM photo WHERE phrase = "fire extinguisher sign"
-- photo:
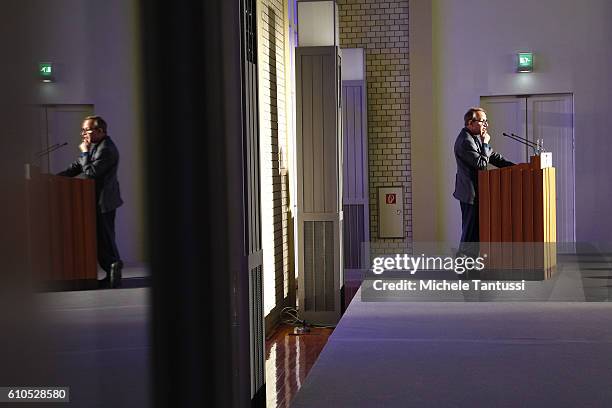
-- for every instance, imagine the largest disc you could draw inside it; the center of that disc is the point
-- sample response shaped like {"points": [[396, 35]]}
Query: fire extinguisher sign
{"points": [[390, 198]]}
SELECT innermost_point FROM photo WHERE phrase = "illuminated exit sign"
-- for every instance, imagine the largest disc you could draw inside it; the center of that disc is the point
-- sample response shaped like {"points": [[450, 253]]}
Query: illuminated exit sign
{"points": [[525, 62], [45, 71]]}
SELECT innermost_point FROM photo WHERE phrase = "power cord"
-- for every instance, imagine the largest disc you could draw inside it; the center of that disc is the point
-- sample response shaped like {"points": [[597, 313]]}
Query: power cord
{"points": [[290, 315]]}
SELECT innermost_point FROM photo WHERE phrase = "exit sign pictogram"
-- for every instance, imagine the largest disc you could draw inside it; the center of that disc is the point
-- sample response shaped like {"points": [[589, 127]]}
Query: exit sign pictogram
{"points": [[45, 71]]}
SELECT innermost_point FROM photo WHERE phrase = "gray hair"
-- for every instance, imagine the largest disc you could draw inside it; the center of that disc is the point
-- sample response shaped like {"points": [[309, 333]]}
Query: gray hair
{"points": [[471, 115], [98, 122]]}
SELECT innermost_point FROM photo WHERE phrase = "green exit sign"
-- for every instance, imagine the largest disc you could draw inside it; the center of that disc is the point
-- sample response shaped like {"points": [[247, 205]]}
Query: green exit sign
{"points": [[525, 62], [45, 71]]}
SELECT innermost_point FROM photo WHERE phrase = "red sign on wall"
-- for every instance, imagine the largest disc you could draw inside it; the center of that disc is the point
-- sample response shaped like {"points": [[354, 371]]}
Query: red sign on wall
{"points": [[390, 198]]}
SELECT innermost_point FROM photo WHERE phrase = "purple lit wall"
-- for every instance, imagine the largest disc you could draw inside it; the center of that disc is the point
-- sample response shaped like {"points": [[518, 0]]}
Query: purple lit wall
{"points": [[95, 47], [463, 50]]}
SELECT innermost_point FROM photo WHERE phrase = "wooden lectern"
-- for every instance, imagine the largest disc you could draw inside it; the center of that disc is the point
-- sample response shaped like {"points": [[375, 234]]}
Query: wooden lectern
{"points": [[62, 230], [517, 216]]}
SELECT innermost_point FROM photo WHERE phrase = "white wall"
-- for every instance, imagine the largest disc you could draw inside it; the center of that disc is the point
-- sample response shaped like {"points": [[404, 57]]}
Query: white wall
{"points": [[472, 55], [95, 48]]}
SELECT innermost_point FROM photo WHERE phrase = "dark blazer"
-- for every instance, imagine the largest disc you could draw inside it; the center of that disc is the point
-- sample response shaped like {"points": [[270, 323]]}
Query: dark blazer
{"points": [[100, 164], [471, 156]]}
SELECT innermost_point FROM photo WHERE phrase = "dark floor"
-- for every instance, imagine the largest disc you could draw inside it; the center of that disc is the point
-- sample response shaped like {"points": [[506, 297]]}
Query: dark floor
{"points": [[99, 345]]}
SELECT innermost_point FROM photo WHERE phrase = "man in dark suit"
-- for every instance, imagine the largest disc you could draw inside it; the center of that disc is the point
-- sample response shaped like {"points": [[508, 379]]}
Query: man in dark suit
{"points": [[472, 152], [99, 160]]}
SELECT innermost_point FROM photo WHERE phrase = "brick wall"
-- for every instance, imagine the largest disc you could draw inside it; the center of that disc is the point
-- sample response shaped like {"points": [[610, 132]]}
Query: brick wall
{"points": [[276, 228], [381, 28]]}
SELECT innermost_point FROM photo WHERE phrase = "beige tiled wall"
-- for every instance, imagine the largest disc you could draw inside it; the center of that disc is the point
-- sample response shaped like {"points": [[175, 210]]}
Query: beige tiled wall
{"points": [[381, 28], [273, 134]]}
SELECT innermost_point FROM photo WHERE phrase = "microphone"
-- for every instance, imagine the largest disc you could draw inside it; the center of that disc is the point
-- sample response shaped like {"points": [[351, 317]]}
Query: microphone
{"points": [[536, 147], [539, 143], [39, 155], [520, 139], [50, 149], [44, 151]]}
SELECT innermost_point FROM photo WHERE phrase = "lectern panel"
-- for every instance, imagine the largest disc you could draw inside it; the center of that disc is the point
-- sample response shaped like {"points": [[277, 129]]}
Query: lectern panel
{"points": [[484, 206], [518, 205], [496, 214], [62, 222]]}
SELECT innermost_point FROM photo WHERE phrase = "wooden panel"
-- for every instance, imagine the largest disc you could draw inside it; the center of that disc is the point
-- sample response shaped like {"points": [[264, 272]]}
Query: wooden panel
{"points": [[517, 203], [538, 206], [354, 144], [307, 133], [329, 138], [360, 189], [319, 181], [536, 163], [546, 205], [355, 200], [318, 145], [553, 205], [528, 205], [350, 139], [517, 217], [248, 161], [66, 228], [254, 171], [528, 217], [318, 141], [495, 260], [549, 207], [538, 218], [89, 214], [318, 136], [506, 204], [78, 232], [353, 228], [495, 183], [319, 265], [553, 194], [518, 250], [55, 223], [484, 206], [65, 214], [251, 156], [347, 141], [506, 214]]}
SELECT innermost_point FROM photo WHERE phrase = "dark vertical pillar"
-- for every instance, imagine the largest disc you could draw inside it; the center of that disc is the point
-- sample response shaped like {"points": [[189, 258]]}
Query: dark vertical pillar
{"points": [[196, 199]]}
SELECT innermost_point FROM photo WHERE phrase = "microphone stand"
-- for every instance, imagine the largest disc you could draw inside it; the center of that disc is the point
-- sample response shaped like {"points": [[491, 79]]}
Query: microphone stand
{"points": [[42, 154], [50, 149], [537, 149], [45, 151], [539, 143]]}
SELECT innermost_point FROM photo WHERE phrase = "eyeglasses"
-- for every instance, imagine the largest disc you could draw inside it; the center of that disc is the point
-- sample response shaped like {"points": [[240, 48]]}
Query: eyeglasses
{"points": [[83, 131], [483, 121]]}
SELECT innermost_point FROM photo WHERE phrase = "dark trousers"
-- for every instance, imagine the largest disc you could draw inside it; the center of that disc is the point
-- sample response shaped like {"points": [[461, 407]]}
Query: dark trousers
{"points": [[105, 232], [469, 229]]}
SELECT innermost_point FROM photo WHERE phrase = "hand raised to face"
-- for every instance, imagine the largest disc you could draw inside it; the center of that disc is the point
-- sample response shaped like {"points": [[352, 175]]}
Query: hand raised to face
{"points": [[84, 146], [485, 137]]}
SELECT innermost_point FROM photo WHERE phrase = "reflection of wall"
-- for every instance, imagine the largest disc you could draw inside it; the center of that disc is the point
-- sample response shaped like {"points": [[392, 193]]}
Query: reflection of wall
{"points": [[473, 45], [382, 30], [279, 286], [95, 48]]}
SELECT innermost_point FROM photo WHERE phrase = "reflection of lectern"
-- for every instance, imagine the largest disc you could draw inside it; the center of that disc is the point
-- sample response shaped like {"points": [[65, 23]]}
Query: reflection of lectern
{"points": [[62, 229], [518, 217]]}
